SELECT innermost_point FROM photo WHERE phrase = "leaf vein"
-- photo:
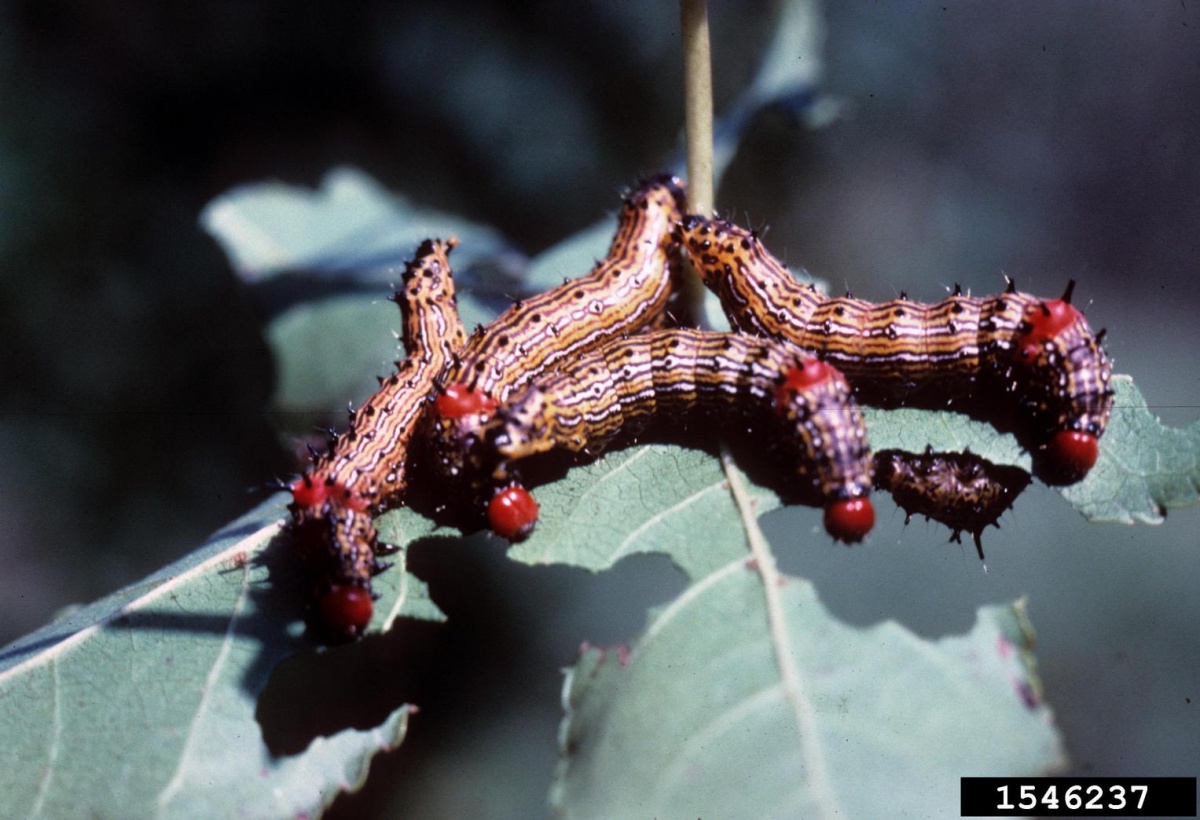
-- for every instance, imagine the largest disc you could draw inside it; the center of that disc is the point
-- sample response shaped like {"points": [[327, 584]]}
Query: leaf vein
{"points": [[210, 686], [803, 712], [622, 550]]}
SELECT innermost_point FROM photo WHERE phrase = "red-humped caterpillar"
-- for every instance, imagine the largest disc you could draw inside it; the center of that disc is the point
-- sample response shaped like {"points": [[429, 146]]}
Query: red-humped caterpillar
{"points": [[802, 406], [363, 473], [626, 292], [1025, 364], [964, 491]]}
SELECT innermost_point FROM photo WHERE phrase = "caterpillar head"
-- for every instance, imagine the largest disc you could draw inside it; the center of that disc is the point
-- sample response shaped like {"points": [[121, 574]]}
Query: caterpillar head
{"points": [[337, 545], [815, 397], [1066, 375], [345, 611], [512, 513], [461, 416], [850, 519]]}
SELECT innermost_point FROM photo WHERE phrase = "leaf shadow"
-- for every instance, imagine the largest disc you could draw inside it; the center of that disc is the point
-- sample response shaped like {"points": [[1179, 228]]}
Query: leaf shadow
{"points": [[320, 693]]}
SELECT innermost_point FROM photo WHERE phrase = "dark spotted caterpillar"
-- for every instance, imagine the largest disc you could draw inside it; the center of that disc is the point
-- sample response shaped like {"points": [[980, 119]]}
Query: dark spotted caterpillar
{"points": [[965, 492], [626, 292], [363, 473], [1026, 364], [802, 406]]}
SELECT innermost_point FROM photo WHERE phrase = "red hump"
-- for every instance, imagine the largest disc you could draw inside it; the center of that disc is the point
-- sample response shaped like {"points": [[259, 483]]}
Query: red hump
{"points": [[309, 493], [1046, 320], [458, 400], [809, 373]]}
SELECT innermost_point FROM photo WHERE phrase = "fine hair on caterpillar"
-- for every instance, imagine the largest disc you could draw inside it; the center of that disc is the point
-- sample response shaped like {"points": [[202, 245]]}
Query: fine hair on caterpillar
{"points": [[364, 471], [1028, 365], [718, 381], [626, 292]]}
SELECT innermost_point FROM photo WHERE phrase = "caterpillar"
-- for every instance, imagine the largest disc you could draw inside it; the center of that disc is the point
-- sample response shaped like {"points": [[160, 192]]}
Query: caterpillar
{"points": [[364, 471], [629, 290], [1026, 364], [626, 384], [964, 491]]}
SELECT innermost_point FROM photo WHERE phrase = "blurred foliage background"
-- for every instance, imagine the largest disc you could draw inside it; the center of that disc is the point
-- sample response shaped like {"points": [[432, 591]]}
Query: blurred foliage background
{"points": [[1044, 141]]}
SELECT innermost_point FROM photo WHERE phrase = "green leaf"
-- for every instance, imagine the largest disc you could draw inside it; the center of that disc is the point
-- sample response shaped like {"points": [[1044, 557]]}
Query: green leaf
{"points": [[914, 430], [328, 353], [710, 715], [654, 498], [744, 697], [1144, 469], [143, 703], [351, 223], [330, 349]]}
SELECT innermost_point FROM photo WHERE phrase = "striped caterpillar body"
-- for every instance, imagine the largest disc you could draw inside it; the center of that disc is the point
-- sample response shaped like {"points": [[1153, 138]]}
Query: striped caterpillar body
{"points": [[1026, 364], [363, 473], [626, 292], [589, 361], [964, 491], [730, 379]]}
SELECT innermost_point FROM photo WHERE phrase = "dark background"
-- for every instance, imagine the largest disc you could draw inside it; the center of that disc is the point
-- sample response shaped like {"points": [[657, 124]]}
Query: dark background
{"points": [[1043, 140]]}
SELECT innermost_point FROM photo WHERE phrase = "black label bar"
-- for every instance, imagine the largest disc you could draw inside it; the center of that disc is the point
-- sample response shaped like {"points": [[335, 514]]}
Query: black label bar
{"points": [[1078, 796]]}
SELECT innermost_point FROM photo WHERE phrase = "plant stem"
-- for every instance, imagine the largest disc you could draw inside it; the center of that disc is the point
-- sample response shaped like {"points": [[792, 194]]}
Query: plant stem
{"points": [[698, 106], [698, 127]]}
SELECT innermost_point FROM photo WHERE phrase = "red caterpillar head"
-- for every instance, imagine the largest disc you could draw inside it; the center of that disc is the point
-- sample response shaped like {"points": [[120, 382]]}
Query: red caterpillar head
{"points": [[345, 611], [850, 519], [512, 513], [1068, 456]]}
